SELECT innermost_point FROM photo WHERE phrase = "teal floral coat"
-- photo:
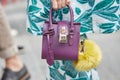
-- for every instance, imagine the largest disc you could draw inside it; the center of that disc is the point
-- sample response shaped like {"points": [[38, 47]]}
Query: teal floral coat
{"points": [[95, 16]]}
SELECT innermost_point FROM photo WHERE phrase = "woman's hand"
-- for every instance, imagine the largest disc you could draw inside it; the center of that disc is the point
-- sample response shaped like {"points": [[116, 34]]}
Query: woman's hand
{"points": [[57, 4]]}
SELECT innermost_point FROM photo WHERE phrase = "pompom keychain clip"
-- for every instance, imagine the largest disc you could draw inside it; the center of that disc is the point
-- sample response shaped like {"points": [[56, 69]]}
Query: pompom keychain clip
{"points": [[89, 56]]}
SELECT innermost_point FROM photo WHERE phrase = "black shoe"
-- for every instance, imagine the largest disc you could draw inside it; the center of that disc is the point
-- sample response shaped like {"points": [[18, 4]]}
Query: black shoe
{"points": [[23, 74], [20, 47]]}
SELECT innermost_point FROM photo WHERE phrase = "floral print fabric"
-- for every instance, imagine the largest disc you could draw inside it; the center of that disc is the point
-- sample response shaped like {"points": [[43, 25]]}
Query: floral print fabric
{"points": [[64, 70], [95, 16]]}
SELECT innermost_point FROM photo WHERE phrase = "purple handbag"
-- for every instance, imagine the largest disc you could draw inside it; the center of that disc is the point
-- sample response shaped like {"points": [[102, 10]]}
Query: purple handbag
{"points": [[60, 39]]}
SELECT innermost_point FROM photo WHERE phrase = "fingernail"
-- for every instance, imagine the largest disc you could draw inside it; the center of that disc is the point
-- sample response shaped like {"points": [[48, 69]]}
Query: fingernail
{"points": [[55, 7], [68, 1]]}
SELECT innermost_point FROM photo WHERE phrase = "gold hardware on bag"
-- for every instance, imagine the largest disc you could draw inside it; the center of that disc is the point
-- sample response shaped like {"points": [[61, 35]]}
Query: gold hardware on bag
{"points": [[82, 46], [63, 35]]}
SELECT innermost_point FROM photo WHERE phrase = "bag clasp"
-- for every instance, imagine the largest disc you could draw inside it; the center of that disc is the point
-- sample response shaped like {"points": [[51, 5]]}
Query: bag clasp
{"points": [[63, 35]]}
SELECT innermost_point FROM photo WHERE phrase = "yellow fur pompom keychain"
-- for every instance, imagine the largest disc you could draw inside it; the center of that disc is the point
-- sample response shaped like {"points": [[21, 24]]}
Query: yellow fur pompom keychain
{"points": [[89, 56]]}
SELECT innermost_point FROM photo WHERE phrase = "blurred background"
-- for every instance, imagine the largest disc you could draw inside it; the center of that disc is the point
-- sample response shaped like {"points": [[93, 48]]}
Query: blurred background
{"points": [[31, 54]]}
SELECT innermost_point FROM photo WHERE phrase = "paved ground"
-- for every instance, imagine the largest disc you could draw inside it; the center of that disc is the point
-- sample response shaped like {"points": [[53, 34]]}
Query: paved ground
{"points": [[110, 45]]}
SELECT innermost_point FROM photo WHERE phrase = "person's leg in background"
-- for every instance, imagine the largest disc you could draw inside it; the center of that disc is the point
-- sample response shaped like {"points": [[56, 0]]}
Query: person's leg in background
{"points": [[15, 70]]}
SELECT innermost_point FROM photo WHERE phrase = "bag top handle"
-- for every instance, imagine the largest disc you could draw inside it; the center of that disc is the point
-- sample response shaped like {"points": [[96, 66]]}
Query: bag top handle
{"points": [[71, 17]]}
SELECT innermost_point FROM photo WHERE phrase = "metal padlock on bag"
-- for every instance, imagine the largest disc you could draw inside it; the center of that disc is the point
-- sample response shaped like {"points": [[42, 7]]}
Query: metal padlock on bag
{"points": [[63, 35]]}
